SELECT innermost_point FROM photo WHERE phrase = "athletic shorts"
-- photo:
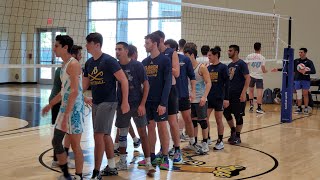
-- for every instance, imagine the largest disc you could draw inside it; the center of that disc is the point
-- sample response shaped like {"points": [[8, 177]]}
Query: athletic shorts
{"points": [[199, 112], [256, 82], [123, 120], [184, 104], [152, 114], [102, 117], [173, 101]]}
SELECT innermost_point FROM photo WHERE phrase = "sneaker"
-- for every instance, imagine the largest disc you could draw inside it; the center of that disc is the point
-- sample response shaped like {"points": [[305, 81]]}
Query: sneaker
{"points": [[197, 149], [116, 151], [122, 165], [298, 111], [64, 178], [184, 138], [97, 177], [236, 141], [77, 177], [164, 165], [177, 159], [260, 111], [109, 171], [218, 146], [137, 144], [151, 170], [54, 164], [171, 152], [232, 137], [306, 111], [142, 163], [205, 147], [209, 142], [251, 109]]}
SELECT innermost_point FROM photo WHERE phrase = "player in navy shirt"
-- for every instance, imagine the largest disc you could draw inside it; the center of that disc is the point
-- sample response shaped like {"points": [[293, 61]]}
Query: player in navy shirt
{"points": [[173, 98], [137, 99], [159, 72], [186, 74], [218, 96], [302, 80], [101, 72], [239, 83]]}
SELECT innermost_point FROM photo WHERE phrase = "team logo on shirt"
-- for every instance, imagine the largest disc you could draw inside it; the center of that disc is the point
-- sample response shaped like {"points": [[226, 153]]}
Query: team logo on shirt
{"points": [[232, 70], [96, 77], [151, 70], [214, 76]]}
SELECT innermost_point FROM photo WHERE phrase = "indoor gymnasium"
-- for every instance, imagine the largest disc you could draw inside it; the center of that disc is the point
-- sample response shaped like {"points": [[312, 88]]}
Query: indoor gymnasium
{"points": [[125, 89]]}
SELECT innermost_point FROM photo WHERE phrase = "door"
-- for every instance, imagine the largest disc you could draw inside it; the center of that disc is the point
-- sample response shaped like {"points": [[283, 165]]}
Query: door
{"points": [[46, 38]]}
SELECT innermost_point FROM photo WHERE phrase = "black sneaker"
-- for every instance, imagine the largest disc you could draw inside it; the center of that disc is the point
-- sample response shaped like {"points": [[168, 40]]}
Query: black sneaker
{"points": [[232, 137], [298, 111], [251, 109], [260, 111], [137, 144], [109, 171], [236, 141], [117, 151], [97, 177]]}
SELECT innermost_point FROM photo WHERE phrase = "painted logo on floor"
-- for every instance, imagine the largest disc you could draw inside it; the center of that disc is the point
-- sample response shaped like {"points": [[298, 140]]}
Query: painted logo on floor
{"points": [[193, 165]]}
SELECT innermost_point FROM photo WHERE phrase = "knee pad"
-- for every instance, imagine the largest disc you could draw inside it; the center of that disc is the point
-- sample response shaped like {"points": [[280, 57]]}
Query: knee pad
{"points": [[227, 116], [203, 124], [239, 120], [299, 94], [57, 142], [123, 133], [195, 123]]}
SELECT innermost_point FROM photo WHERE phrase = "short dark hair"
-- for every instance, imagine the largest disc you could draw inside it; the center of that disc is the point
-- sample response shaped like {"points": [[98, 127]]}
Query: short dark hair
{"points": [[216, 50], [95, 37], [257, 46], [304, 50], [190, 45], [153, 37], [124, 44], [182, 42], [160, 34], [205, 49], [191, 51], [235, 47], [65, 40], [172, 43], [131, 50], [75, 49]]}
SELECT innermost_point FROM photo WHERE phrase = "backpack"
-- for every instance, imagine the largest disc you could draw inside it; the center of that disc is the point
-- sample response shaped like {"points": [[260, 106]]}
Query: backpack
{"points": [[267, 96], [276, 93]]}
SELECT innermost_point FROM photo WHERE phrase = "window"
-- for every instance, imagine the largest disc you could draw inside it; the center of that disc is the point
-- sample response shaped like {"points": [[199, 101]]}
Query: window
{"points": [[131, 20]]}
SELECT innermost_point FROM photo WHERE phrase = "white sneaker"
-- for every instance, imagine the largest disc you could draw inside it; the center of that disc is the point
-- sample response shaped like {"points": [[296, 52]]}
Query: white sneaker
{"points": [[209, 142], [64, 178], [205, 147], [54, 164], [197, 149], [219, 146], [76, 177], [122, 165]]}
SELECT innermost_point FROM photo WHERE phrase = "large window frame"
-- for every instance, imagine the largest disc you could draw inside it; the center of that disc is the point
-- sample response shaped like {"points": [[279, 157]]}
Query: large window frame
{"points": [[163, 13]]}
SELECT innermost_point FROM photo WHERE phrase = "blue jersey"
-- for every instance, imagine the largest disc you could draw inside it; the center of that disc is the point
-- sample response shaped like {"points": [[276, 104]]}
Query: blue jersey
{"points": [[219, 76], [237, 71], [186, 73]]}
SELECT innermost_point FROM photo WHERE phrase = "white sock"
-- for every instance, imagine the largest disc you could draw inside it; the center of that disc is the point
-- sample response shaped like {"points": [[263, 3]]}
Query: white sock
{"points": [[135, 139], [123, 157], [116, 146], [192, 141], [148, 160], [111, 163]]}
